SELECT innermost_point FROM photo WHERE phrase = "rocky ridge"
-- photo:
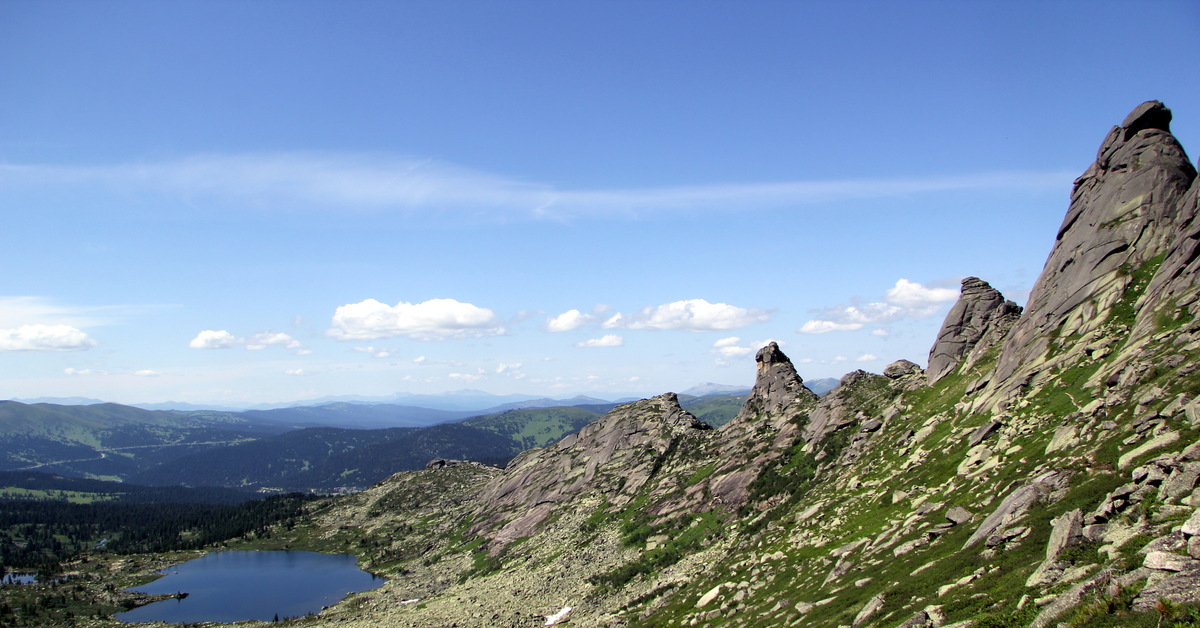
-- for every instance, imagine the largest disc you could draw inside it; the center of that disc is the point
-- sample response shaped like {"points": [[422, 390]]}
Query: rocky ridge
{"points": [[1044, 470]]}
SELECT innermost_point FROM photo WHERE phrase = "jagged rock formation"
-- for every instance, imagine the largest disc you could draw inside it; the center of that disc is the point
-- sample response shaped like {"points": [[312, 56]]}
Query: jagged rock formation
{"points": [[613, 457], [1057, 471], [1126, 211], [979, 318]]}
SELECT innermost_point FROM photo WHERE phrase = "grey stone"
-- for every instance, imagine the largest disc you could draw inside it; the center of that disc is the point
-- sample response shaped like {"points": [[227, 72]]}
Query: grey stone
{"points": [[1015, 504], [871, 426], [958, 515], [982, 432], [1167, 561], [872, 606], [1191, 527], [900, 368]]}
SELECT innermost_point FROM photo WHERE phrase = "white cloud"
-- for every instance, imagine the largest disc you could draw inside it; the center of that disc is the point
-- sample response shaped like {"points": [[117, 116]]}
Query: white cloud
{"points": [[689, 315], [507, 368], [436, 319], [82, 372], [263, 339], [867, 357], [147, 373], [45, 338], [920, 300], [907, 299], [298, 372], [214, 339], [569, 320], [607, 340], [466, 377], [377, 352], [822, 327], [881, 332], [727, 342], [419, 359]]}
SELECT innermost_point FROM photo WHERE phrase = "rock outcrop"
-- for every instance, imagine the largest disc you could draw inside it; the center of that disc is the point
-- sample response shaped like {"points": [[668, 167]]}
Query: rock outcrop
{"points": [[613, 457], [980, 312], [1126, 210]]}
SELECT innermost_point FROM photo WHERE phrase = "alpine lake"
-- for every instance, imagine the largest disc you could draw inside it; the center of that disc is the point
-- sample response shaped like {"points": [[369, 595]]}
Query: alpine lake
{"points": [[231, 586]]}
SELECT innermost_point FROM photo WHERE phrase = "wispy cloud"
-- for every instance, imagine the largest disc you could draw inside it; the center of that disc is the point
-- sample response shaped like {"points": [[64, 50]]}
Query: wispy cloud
{"points": [[408, 184]]}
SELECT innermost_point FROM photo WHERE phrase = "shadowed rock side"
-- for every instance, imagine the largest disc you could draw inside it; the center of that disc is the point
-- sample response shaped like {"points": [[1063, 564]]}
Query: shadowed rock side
{"points": [[1124, 212], [612, 457], [980, 311]]}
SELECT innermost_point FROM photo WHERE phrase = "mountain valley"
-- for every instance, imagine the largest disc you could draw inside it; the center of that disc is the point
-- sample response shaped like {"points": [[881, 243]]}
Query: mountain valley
{"points": [[1042, 470]]}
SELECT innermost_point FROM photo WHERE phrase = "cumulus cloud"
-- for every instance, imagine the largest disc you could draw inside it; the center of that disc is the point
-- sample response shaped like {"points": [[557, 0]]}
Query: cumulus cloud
{"points": [[867, 357], [436, 319], [907, 299], [45, 338], [507, 368], [569, 320], [689, 315], [918, 299], [214, 339], [607, 340]]}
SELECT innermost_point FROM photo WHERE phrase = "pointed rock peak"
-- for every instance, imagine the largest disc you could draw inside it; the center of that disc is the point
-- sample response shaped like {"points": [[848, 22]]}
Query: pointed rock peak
{"points": [[1151, 114], [1126, 210], [777, 386], [980, 309], [770, 355]]}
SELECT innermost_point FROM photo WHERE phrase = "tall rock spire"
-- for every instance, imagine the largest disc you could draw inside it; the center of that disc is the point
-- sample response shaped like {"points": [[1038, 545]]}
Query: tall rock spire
{"points": [[1124, 212], [777, 388]]}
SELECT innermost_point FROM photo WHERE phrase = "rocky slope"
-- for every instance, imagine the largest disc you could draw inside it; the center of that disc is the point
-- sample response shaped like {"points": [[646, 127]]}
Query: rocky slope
{"points": [[1042, 471]]}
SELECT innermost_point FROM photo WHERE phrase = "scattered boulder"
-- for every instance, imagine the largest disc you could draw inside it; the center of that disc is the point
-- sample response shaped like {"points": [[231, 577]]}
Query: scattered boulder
{"points": [[958, 515], [982, 432]]}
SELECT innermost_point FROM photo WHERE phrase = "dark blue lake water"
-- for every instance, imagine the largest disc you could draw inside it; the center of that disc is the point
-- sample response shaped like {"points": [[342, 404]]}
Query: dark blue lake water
{"points": [[237, 586]]}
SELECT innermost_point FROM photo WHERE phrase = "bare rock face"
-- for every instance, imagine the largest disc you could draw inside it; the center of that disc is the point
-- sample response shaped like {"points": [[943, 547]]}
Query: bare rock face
{"points": [[1125, 210], [778, 390], [613, 456], [981, 310]]}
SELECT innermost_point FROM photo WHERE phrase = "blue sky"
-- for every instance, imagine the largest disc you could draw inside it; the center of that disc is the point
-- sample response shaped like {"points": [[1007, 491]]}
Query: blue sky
{"points": [[239, 202]]}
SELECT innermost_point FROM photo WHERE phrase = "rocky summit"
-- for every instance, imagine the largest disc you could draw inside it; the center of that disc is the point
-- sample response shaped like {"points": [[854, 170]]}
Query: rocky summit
{"points": [[1042, 471]]}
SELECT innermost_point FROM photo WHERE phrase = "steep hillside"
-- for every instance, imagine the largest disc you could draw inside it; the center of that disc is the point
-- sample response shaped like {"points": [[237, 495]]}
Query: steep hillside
{"points": [[1043, 471]]}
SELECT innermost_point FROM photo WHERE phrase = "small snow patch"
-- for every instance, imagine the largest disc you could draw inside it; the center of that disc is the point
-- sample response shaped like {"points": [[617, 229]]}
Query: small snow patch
{"points": [[557, 617]]}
